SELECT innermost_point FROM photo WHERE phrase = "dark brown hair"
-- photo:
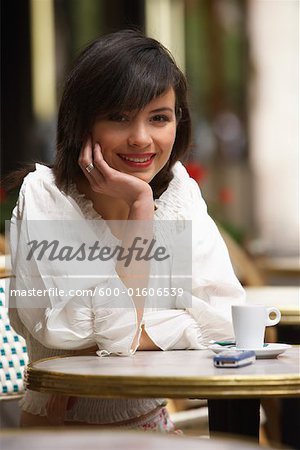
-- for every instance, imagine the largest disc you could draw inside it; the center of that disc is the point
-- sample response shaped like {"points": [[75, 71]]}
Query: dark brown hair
{"points": [[122, 71]]}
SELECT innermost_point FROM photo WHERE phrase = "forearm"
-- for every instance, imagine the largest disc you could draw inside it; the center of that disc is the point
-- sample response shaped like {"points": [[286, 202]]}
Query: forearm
{"points": [[138, 231], [142, 209], [136, 274]]}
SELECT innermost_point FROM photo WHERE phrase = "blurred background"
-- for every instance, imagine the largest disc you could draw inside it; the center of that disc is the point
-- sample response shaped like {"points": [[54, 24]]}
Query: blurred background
{"points": [[241, 59]]}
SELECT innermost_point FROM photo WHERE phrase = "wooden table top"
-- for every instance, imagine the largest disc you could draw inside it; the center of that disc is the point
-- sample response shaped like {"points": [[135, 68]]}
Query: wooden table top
{"points": [[172, 374]]}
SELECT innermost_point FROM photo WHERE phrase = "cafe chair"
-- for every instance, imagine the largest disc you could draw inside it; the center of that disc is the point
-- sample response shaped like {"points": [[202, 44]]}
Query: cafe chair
{"points": [[3, 245], [244, 266], [13, 360]]}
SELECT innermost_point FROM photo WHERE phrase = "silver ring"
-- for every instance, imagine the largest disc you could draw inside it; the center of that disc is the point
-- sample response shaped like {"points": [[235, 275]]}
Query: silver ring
{"points": [[89, 168]]}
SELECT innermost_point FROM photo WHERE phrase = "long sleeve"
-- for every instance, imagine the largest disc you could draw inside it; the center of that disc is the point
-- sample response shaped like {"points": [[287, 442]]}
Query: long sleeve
{"points": [[71, 312], [82, 316], [202, 313]]}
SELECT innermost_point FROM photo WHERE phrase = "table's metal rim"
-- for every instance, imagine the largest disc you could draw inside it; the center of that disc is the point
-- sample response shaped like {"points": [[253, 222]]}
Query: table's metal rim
{"points": [[289, 313], [289, 317], [290, 320], [225, 386]]}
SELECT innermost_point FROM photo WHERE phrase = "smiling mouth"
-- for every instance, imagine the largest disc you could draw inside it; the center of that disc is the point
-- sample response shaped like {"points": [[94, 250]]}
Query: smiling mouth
{"points": [[138, 159]]}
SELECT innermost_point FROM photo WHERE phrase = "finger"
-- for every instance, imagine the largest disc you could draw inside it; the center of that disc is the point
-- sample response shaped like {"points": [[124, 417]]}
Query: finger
{"points": [[99, 161], [97, 152], [86, 159], [86, 156], [96, 175], [87, 153]]}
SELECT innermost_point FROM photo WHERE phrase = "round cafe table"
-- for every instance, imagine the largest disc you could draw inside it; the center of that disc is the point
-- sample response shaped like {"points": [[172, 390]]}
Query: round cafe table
{"points": [[234, 394], [172, 374], [113, 440]]}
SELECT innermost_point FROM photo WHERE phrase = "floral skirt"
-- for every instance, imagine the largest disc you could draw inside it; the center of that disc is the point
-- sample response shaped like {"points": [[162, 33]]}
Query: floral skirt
{"points": [[158, 420]]}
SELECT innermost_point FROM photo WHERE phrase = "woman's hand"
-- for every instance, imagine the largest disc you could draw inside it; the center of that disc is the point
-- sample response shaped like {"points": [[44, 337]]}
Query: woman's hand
{"points": [[139, 197], [106, 180]]}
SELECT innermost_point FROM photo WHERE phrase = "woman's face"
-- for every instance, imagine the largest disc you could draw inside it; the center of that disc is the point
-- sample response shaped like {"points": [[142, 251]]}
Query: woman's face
{"points": [[139, 143]]}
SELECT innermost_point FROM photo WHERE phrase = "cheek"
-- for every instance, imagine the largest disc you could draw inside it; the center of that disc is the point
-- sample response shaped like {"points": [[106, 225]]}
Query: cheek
{"points": [[169, 139], [96, 131]]}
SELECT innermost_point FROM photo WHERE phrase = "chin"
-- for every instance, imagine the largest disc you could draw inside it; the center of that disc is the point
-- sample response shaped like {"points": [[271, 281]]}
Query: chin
{"points": [[145, 178]]}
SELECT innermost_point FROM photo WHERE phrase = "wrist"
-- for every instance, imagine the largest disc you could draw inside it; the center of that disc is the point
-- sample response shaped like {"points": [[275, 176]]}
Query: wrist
{"points": [[143, 194], [142, 208]]}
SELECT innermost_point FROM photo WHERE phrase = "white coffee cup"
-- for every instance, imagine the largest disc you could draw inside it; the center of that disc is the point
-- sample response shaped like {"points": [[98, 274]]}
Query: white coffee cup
{"points": [[249, 323]]}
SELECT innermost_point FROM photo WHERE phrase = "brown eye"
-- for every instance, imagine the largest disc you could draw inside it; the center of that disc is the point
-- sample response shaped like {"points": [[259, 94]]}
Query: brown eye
{"points": [[160, 118], [118, 118]]}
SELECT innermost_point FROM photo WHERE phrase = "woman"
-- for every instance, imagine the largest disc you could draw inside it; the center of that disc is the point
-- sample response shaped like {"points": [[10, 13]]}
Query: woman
{"points": [[123, 126]]}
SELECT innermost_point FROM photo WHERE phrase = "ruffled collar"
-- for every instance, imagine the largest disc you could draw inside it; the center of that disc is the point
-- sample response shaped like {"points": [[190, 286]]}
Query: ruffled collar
{"points": [[85, 204], [175, 196], [167, 205]]}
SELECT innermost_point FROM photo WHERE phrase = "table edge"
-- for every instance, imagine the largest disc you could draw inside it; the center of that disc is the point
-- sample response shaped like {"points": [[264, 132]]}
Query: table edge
{"points": [[225, 386]]}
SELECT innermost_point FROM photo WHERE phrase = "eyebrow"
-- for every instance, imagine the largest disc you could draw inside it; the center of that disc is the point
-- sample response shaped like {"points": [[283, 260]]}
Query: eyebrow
{"points": [[161, 109]]}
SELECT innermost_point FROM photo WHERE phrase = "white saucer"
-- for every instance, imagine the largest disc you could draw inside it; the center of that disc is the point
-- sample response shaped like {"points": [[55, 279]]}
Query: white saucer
{"points": [[270, 351]]}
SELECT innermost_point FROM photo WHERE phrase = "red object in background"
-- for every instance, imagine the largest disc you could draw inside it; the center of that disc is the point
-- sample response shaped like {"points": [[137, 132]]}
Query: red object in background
{"points": [[3, 195], [226, 196], [196, 171]]}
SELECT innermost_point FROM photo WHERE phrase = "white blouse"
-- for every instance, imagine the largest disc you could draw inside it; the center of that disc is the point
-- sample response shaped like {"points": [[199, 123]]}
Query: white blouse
{"points": [[112, 328], [191, 323]]}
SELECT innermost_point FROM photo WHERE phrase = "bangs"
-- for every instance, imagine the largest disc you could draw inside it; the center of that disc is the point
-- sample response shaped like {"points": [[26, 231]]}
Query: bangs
{"points": [[116, 73], [135, 81]]}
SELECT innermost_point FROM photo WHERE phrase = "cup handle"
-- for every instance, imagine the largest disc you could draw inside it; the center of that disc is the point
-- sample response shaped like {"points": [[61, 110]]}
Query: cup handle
{"points": [[270, 322]]}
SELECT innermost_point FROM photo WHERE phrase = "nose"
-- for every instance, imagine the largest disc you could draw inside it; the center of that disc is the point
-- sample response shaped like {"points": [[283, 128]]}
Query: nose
{"points": [[139, 136]]}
